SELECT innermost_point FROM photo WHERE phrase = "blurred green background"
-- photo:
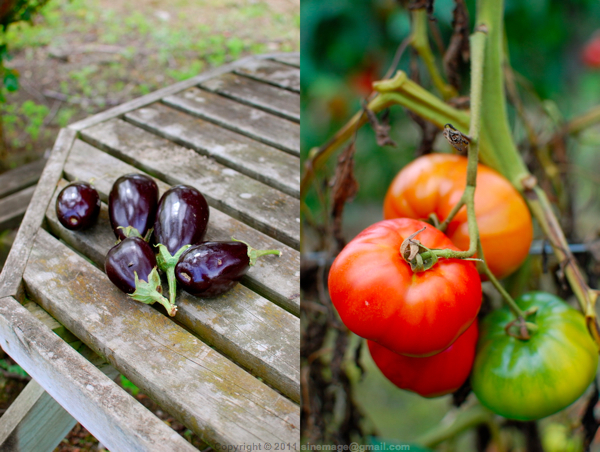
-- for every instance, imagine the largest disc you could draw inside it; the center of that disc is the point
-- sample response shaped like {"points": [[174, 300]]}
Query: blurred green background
{"points": [[345, 45]]}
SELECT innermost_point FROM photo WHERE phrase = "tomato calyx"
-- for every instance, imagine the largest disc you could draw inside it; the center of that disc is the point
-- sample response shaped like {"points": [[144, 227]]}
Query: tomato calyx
{"points": [[520, 328], [416, 254]]}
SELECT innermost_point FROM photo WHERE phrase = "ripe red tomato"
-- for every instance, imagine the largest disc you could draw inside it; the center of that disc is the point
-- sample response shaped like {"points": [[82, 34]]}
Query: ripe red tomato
{"points": [[591, 53], [434, 183], [379, 297], [433, 376]]}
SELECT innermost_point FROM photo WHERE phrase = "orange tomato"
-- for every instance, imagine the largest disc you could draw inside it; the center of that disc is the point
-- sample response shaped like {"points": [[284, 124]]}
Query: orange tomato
{"points": [[434, 183]]}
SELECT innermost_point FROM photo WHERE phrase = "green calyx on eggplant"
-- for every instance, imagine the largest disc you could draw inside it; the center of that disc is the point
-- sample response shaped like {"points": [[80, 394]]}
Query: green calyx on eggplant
{"points": [[132, 205], [77, 206], [181, 221], [213, 268], [131, 266]]}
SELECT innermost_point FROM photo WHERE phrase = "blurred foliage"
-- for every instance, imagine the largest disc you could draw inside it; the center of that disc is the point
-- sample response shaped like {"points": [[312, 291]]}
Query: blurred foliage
{"points": [[346, 44], [11, 12]]}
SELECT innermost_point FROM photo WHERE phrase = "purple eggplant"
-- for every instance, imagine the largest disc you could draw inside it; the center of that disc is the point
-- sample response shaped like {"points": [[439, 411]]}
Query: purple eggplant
{"points": [[132, 203], [181, 221], [77, 206], [212, 268], [131, 266], [181, 218]]}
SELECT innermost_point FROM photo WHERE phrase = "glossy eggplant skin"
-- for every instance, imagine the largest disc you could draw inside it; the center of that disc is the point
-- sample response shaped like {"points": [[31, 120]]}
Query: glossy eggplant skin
{"points": [[131, 255], [181, 218], [77, 206], [132, 201], [212, 268]]}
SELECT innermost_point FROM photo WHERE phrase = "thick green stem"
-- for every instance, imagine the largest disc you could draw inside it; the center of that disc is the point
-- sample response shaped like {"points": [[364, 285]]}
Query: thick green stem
{"points": [[494, 114], [420, 42]]}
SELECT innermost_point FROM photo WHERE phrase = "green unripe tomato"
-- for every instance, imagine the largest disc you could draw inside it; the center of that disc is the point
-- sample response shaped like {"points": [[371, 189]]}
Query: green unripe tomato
{"points": [[531, 379]]}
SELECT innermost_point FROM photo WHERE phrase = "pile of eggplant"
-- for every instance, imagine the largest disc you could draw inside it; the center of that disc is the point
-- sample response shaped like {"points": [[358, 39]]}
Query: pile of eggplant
{"points": [[174, 226]]}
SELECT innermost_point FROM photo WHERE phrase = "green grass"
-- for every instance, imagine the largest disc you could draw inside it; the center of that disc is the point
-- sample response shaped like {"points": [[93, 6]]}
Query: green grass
{"points": [[117, 51]]}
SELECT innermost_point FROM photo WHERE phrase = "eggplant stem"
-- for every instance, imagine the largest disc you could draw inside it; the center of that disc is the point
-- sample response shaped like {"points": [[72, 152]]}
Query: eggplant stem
{"points": [[254, 254], [167, 262], [130, 231], [149, 293]]}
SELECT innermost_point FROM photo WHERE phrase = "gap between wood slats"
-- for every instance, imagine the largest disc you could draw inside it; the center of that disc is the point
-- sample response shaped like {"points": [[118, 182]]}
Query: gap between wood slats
{"points": [[252, 158], [272, 99], [229, 114], [273, 72]]}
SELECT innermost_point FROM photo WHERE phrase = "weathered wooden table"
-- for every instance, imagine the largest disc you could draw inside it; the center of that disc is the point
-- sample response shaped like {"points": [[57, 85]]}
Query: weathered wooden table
{"points": [[226, 367]]}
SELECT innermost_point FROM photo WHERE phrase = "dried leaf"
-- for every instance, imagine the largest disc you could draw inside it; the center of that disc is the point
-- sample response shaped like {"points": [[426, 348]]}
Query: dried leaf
{"points": [[344, 189], [458, 49], [381, 128], [429, 133], [456, 138], [422, 4]]}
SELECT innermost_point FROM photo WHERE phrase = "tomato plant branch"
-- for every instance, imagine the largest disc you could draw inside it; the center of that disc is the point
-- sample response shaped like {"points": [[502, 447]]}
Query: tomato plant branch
{"points": [[583, 121], [483, 268], [477, 57], [466, 419], [512, 166], [398, 90], [420, 42]]}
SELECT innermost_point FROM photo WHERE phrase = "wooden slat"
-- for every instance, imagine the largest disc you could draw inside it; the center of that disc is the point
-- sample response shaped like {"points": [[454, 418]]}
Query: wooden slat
{"points": [[257, 124], [252, 202], [10, 278], [293, 59], [114, 417], [157, 95], [262, 95], [278, 280], [257, 160], [254, 332], [34, 422], [13, 207], [205, 391], [22, 177], [272, 72]]}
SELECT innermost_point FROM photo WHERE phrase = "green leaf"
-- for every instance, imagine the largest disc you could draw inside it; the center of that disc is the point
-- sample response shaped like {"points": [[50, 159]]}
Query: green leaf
{"points": [[4, 53], [130, 386], [12, 368], [11, 81]]}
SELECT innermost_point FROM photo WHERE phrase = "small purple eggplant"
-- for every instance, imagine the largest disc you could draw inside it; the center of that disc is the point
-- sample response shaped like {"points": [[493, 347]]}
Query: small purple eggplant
{"points": [[132, 203], [77, 206], [212, 268], [181, 221], [131, 266]]}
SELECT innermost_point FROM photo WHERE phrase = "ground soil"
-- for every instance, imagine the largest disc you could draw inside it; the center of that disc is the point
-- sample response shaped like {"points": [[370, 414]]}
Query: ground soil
{"points": [[83, 57]]}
